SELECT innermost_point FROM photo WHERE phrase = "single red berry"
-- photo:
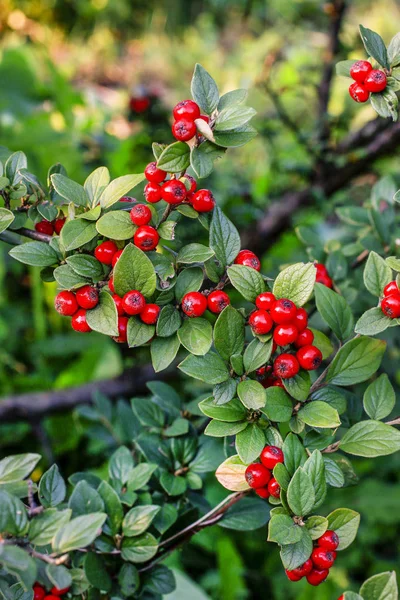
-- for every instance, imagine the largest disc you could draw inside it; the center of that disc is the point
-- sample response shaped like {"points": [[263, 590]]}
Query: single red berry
{"points": [[205, 118], [317, 576], [140, 214], [260, 322], [390, 306], [173, 191], [257, 476], [139, 105], [375, 81], [79, 323], [321, 269], [278, 383], [194, 304], [59, 224], [111, 284], [116, 257], [271, 456], [183, 130], [58, 592], [38, 592], [301, 319], [329, 540], [286, 366], [248, 259], [146, 238], [292, 576], [263, 493], [44, 227], [341, 597], [217, 301], [87, 297], [152, 192], [186, 109], [154, 174], [149, 314], [360, 70], [118, 303], [358, 92], [309, 357], [133, 302], [391, 289], [325, 280], [304, 569], [268, 382], [188, 180], [65, 303], [105, 252], [274, 488], [51, 597], [283, 311], [203, 201], [322, 558], [265, 300], [285, 334], [305, 338], [122, 336]]}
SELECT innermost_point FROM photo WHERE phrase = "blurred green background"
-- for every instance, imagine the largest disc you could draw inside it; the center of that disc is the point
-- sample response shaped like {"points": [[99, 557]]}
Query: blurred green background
{"points": [[68, 69]]}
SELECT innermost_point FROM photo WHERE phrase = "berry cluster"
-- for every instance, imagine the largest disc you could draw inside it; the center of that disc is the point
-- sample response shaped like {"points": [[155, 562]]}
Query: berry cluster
{"points": [[259, 475], [185, 114], [75, 305], [194, 304], [40, 593], [390, 304], [323, 556], [323, 275], [50, 227], [248, 259], [366, 80]]}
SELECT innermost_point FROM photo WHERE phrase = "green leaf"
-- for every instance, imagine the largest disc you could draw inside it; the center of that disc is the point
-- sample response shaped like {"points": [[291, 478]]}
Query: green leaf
{"points": [[86, 266], [379, 398], [209, 368], [194, 253], [121, 464], [204, 90], [163, 352], [256, 354], [90, 215], [174, 485], [14, 163], [375, 46], [224, 392], [85, 500], [6, 218], [294, 555], [377, 274], [96, 183], [138, 519], [44, 526], [13, 515], [113, 506], [59, 576], [167, 516], [168, 322], [202, 158], [139, 333], [250, 443], [229, 331], [296, 283], [300, 494], [394, 263], [224, 238], [76, 233], [52, 488], [371, 438], [37, 254], [373, 321], [380, 587], [134, 271], [104, 317], [233, 117], [69, 190], [139, 549], [343, 67], [282, 476], [231, 411], [18, 466], [294, 453], [335, 311], [235, 137], [196, 336], [68, 279], [393, 50], [223, 429], [380, 105], [232, 98], [333, 473], [188, 280], [315, 469], [140, 476], [78, 533], [248, 282], [283, 530], [116, 225], [279, 406], [344, 522], [323, 343], [96, 572], [17, 562], [319, 414], [118, 188], [316, 526], [252, 394], [246, 515], [175, 158], [298, 386], [356, 361]]}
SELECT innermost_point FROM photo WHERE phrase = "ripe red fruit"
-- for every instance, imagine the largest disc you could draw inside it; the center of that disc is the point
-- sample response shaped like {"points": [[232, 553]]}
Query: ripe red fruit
{"points": [[292, 576], [283, 311], [133, 302], [341, 597], [152, 192], [309, 357], [286, 366], [304, 569], [146, 238], [263, 493], [78, 321], [305, 338], [65, 303], [205, 118], [278, 383], [391, 306], [188, 179], [194, 304], [317, 576], [274, 488], [329, 540], [285, 334], [149, 314], [217, 301], [38, 592], [183, 130], [173, 191], [122, 336], [391, 288], [203, 201], [154, 174], [111, 284], [271, 456], [376, 81], [140, 214], [265, 300], [118, 303], [44, 227], [360, 70], [257, 476], [321, 269], [59, 224], [358, 92], [58, 592], [87, 297], [248, 259], [186, 109], [51, 597], [322, 558], [260, 322], [301, 319], [139, 105], [116, 257], [105, 252]]}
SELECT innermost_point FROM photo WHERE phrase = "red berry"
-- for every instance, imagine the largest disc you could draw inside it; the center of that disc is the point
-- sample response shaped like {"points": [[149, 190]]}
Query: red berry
{"points": [[263, 493], [152, 192], [326, 280], [205, 118], [38, 592], [188, 179], [257, 476], [283, 311], [87, 297], [194, 304], [149, 314], [139, 105], [301, 319], [59, 224], [65, 303], [122, 330], [274, 488], [111, 284], [322, 558], [183, 130], [260, 322], [265, 300], [248, 259], [217, 301], [278, 383], [329, 540], [360, 70], [105, 252], [140, 214], [44, 227], [186, 109], [341, 597], [146, 238], [203, 201], [286, 366], [133, 302], [79, 323], [285, 334], [116, 257], [391, 288], [358, 92], [154, 174], [173, 191], [58, 592], [292, 576], [309, 357], [317, 576], [305, 338], [390, 306], [271, 456], [375, 81], [118, 303], [321, 269], [304, 569], [51, 597]]}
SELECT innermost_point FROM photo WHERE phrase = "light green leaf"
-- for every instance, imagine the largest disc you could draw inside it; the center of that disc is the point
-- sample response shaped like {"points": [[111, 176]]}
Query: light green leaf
{"points": [[138, 519], [344, 522], [248, 282], [96, 183], [76, 233], [17, 466], [377, 274], [319, 414], [69, 190], [294, 555], [371, 438], [231, 411], [116, 225], [139, 549], [380, 587], [78, 533], [175, 158], [104, 317], [300, 494], [256, 354], [252, 394], [37, 254], [163, 352], [6, 218], [379, 398], [139, 333], [283, 530], [229, 331], [296, 283], [335, 311], [196, 336], [134, 271], [118, 188], [356, 361], [250, 442], [194, 253], [279, 406], [209, 368]]}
